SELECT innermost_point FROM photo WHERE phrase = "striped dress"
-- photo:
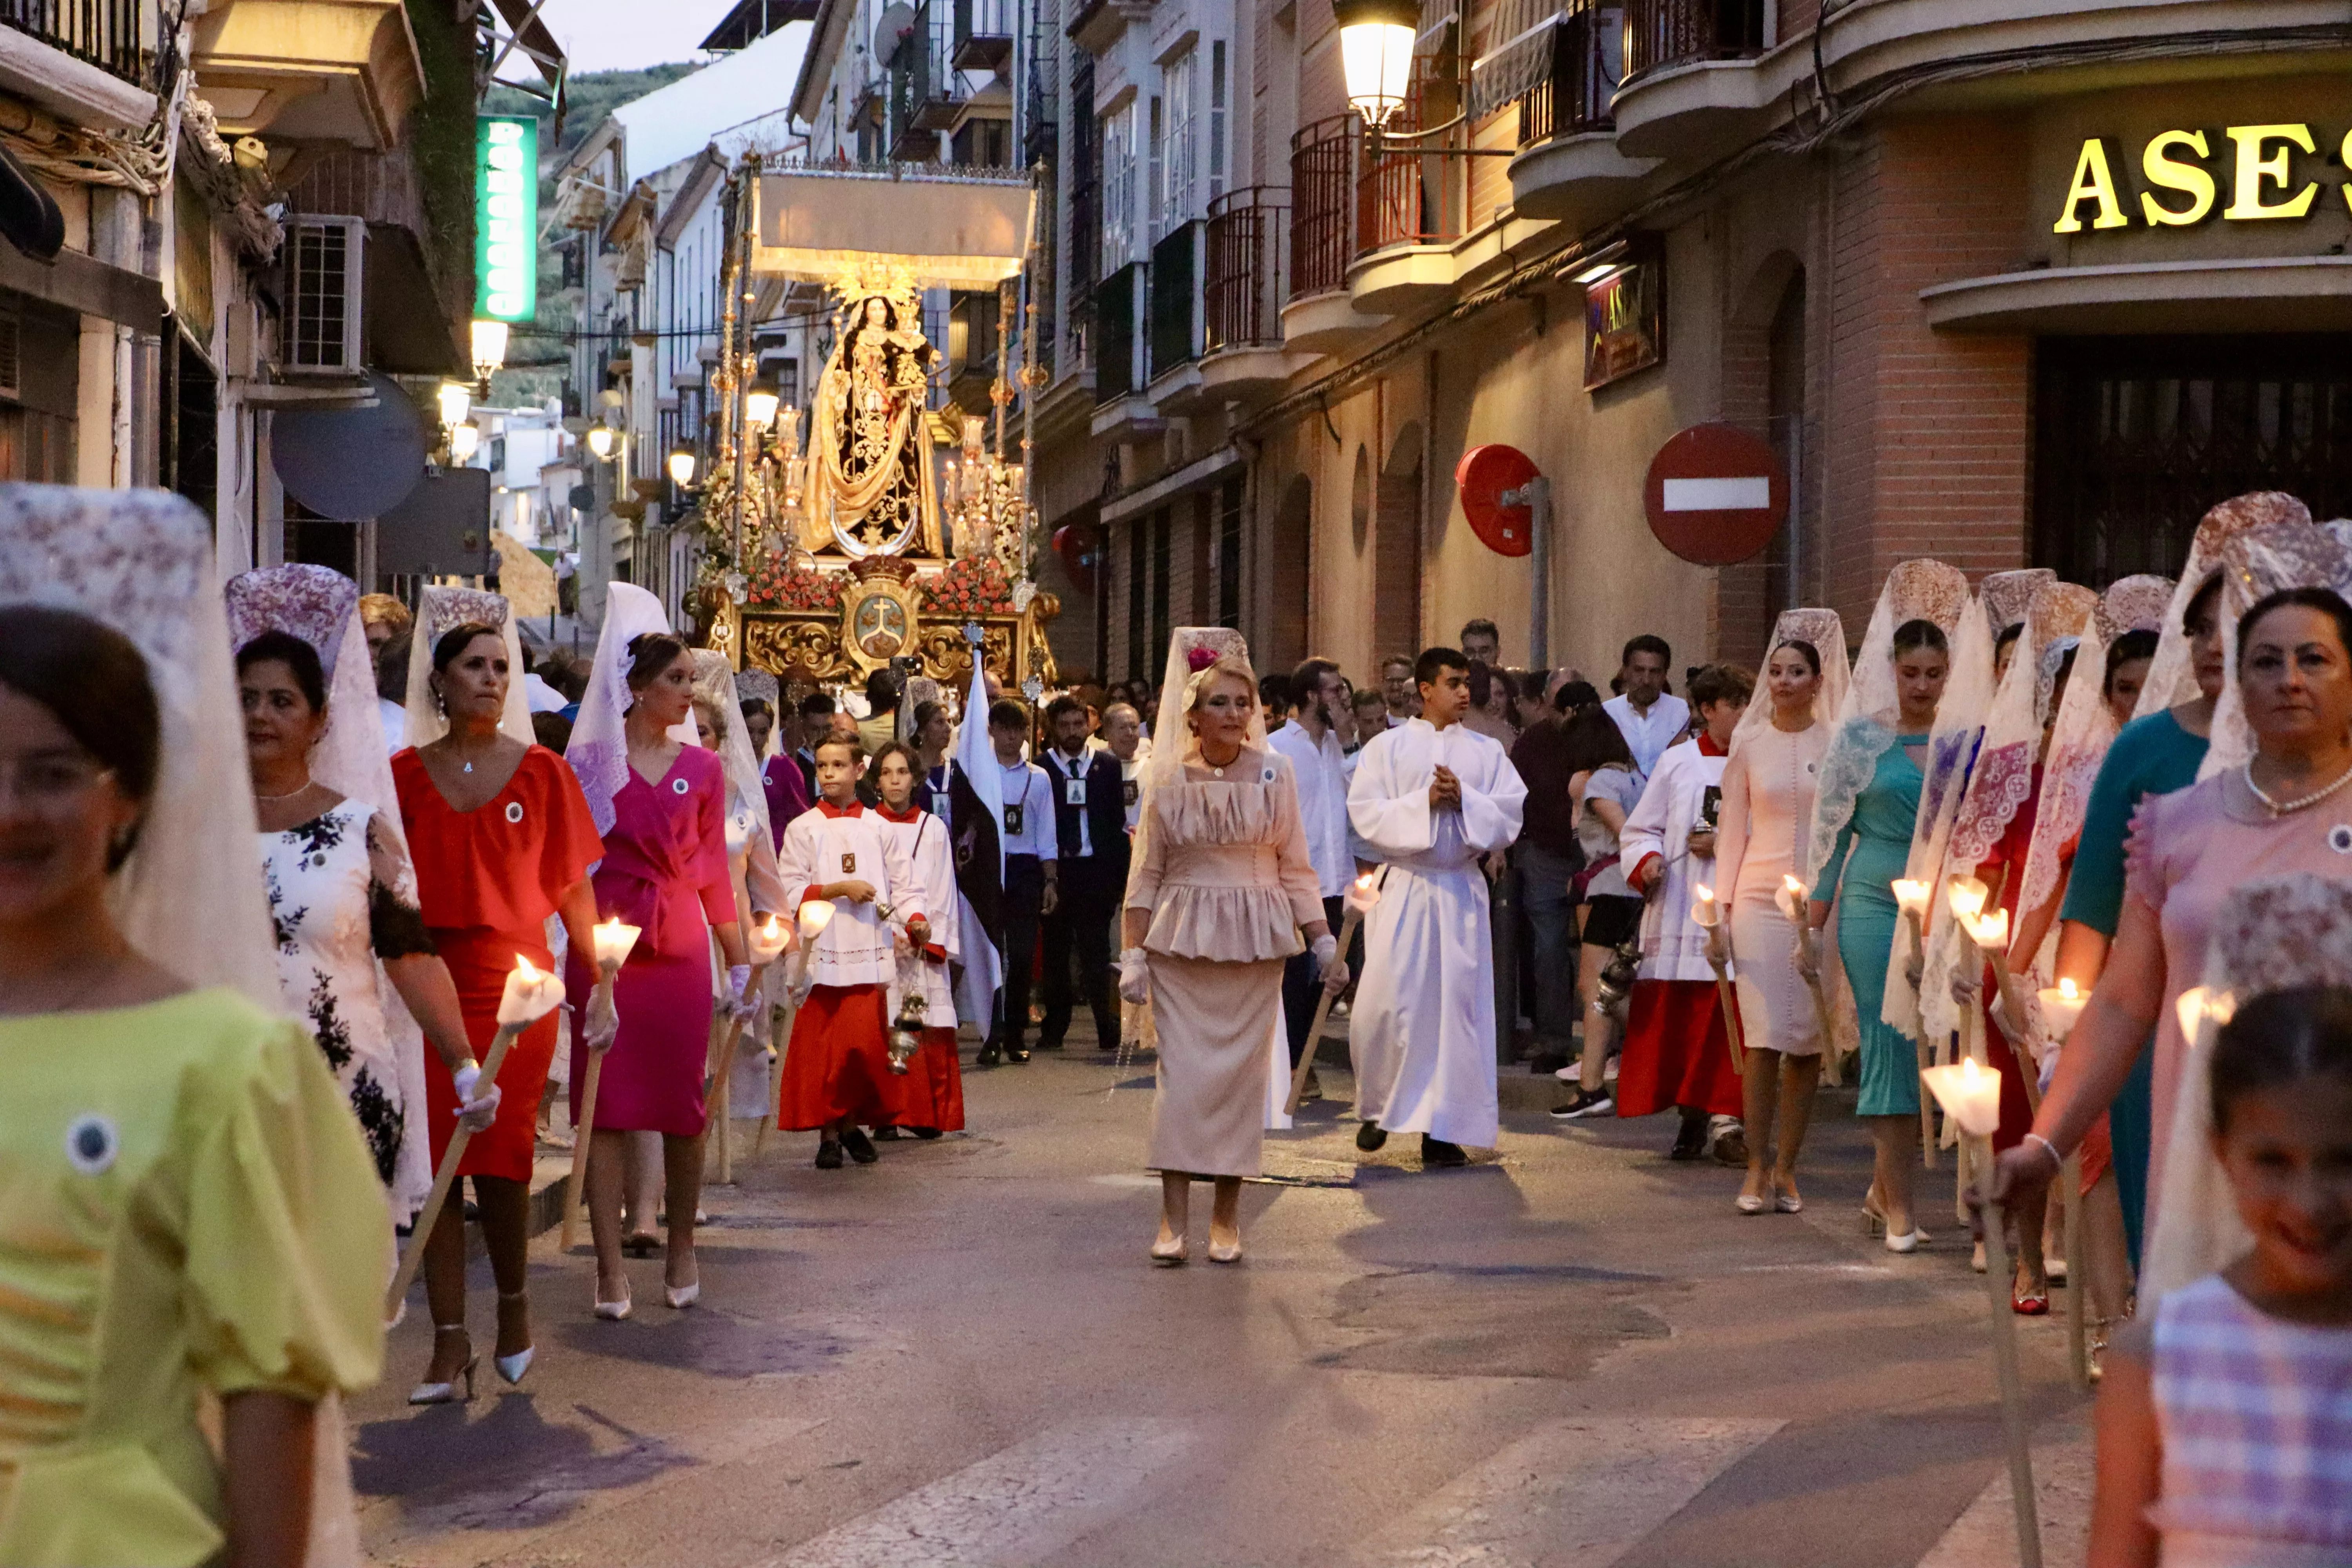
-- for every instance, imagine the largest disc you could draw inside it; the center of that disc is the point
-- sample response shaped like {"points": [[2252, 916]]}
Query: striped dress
{"points": [[2255, 1414]]}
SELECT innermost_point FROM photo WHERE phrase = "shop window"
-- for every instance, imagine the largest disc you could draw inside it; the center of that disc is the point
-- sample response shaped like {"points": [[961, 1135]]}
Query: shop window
{"points": [[2137, 438]]}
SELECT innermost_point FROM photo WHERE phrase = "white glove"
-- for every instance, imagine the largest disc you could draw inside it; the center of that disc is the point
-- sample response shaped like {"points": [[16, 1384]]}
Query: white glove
{"points": [[1326, 949], [604, 1019], [739, 1004], [1966, 988], [474, 1115], [1134, 976]]}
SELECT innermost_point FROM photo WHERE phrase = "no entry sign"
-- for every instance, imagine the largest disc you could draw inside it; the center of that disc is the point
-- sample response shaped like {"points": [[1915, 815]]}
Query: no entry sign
{"points": [[1481, 478], [1715, 495]]}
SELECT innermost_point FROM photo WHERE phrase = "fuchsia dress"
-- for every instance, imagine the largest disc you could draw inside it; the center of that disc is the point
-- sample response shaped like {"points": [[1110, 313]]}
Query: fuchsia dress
{"points": [[664, 871]]}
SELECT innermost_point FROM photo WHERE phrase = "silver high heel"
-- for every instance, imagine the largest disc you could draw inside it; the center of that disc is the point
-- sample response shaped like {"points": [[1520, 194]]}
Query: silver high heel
{"points": [[447, 1393], [614, 1311], [512, 1367]]}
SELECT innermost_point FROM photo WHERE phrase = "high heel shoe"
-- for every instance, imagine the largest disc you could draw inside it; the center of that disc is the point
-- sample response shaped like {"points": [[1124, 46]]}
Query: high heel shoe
{"points": [[1753, 1203], [614, 1311], [512, 1367], [1906, 1244], [1873, 1218], [1168, 1252], [2033, 1303], [1787, 1202], [1224, 1251], [447, 1393]]}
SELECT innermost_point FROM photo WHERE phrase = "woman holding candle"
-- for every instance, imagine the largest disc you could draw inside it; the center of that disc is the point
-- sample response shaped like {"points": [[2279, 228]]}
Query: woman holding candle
{"points": [[757, 880], [342, 896], [659, 802], [2273, 802], [1218, 895], [1768, 785], [928, 1100], [193, 1215], [501, 839], [1864, 814]]}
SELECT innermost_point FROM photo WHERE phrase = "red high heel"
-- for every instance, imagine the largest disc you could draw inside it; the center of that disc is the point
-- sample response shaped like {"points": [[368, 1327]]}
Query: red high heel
{"points": [[2029, 1304]]}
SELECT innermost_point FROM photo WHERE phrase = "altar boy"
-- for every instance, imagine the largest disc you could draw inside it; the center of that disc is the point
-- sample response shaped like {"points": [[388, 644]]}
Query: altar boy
{"points": [[837, 1070], [1429, 797]]}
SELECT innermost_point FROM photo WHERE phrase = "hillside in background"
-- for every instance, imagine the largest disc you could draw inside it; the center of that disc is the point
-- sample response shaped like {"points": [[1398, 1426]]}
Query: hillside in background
{"points": [[589, 97]]}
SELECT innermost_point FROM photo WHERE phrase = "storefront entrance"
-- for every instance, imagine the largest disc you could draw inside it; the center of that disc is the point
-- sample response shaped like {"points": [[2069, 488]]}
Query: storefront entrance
{"points": [[2134, 437]]}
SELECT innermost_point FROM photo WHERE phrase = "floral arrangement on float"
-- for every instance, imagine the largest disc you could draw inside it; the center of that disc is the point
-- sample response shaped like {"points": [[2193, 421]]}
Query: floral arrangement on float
{"points": [[782, 583], [973, 585]]}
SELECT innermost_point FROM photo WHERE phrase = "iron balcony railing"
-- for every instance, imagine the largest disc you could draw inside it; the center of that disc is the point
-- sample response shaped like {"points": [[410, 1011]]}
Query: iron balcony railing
{"points": [[1119, 345], [1587, 61], [1403, 197], [1176, 303], [1323, 203], [984, 34], [1242, 287], [106, 34], [1663, 33]]}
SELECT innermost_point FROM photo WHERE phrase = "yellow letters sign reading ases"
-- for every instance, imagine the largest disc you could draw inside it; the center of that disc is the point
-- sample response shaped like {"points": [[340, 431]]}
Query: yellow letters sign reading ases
{"points": [[2173, 165]]}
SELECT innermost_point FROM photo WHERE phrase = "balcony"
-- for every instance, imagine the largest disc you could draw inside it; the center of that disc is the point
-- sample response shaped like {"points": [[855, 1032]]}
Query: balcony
{"points": [[923, 86], [1662, 34], [1319, 316], [1570, 166], [1122, 412], [299, 70], [1408, 212], [984, 34], [84, 61], [1176, 302], [1241, 292]]}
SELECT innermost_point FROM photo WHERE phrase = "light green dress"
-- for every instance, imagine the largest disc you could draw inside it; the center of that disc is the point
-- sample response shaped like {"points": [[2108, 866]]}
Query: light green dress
{"points": [[186, 1206]]}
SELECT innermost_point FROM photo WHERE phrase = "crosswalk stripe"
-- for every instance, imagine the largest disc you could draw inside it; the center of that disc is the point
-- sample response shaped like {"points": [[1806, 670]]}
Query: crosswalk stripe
{"points": [[1577, 1493], [1985, 1535], [1019, 1505]]}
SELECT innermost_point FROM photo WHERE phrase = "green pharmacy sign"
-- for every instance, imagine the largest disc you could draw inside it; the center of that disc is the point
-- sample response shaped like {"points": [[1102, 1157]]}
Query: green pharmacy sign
{"points": [[506, 218]]}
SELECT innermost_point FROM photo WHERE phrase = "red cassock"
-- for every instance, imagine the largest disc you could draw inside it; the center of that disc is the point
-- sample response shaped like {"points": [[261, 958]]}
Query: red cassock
{"points": [[665, 872], [1676, 1051], [487, 879], [930, 1094], [837, 1063]]}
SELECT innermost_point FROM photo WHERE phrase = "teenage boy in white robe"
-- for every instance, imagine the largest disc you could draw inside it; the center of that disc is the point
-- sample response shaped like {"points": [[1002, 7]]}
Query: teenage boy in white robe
{"points": [[1431, 796]]}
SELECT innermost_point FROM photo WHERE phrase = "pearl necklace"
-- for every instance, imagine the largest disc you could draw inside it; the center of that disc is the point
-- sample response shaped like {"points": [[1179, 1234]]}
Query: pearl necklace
{"points": [[2278, 808]]}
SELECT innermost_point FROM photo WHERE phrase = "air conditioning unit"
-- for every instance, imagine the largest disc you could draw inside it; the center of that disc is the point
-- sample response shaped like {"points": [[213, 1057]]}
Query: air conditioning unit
{"points": [[325, 266]]}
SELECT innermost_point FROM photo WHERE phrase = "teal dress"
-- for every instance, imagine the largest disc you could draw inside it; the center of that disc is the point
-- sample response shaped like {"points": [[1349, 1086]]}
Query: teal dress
{"points": [[2150, 756], [1872, 851]]}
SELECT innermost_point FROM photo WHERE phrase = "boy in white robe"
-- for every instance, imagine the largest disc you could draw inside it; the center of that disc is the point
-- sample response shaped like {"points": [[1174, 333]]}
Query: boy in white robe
{"points": [[1429, 797]]}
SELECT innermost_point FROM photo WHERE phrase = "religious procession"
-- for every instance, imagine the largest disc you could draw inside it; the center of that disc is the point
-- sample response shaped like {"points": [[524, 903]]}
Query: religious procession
{"points": [[633, 951]]}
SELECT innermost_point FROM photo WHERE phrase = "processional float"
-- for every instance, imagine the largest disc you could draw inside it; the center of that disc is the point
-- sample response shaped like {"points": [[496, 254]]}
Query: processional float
{"points": [[864, 546]]}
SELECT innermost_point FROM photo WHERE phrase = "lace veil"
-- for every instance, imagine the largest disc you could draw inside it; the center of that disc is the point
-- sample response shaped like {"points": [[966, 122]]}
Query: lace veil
{"points": [[437, 610], [599, 748], [2172, 677], [2254, 565], [1827, 634], [1191, 652], [748, 828], [2082, 731], [1952, 747], [2270, 935], [321, 607], [1866, 719]]}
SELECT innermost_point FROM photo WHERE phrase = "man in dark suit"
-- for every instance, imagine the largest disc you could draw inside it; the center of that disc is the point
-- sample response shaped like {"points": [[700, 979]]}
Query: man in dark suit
{"points": [[1090, 827]]}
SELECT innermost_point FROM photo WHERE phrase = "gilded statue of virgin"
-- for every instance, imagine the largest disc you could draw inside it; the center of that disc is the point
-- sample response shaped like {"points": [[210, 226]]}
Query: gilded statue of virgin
{"points": [[870, 482]]}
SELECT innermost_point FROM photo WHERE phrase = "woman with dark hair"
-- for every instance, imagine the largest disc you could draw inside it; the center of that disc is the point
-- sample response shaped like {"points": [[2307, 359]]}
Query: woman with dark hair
{"points": [[193, 1215], [2276, 805], [1865, 813], [1604, 788], [501, 839], [659, 802], [342, 896]]}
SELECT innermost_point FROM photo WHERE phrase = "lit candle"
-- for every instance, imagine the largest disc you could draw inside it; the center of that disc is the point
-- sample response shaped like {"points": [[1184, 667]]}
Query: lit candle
{"points": [[1969, 1093], [1911, 896], [614, 941], [769, 939], [1967, 896], [2062, 1003], [2200, 1003], [1363, 893], [1989, 932], [531, 993], [1792, 899], [1702, 908], [815, 915]]}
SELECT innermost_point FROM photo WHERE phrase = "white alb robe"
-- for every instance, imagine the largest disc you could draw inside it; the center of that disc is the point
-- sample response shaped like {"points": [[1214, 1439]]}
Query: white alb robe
{"points": [[1422, 1031], [925, 841], [1673, 945], [833, 844]]}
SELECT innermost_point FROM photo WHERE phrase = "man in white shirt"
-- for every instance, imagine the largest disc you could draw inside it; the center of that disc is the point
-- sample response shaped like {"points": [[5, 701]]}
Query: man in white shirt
{"points": [[1397, 690], [1650, 717], [1321, 768], [1028, 834]]}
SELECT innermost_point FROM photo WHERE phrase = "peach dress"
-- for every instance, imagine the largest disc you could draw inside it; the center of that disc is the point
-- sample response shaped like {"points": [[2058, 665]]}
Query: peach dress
{"points": [[1225, 874]]}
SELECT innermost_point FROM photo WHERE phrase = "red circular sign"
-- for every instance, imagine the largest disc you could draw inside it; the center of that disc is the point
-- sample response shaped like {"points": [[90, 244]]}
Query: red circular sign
{"points": [[1715, 495], [1480, 479]]}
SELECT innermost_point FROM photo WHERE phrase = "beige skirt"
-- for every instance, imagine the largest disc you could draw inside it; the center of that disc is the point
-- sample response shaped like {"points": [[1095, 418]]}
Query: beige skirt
{"points": [[1219, 1025]]}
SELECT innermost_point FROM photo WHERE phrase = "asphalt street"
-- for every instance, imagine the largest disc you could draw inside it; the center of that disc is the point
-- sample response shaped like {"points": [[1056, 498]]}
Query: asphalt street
{"points": [[1573, 1352]]}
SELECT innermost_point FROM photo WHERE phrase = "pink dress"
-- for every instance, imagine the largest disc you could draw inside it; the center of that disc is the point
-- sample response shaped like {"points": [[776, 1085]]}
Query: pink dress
{"points": [[664, 871], [2186, 852]]}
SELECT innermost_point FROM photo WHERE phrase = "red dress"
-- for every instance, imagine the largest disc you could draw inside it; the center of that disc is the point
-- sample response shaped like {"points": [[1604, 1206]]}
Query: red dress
{"points": [[664, 871], [487, 879], [2008, 850]]}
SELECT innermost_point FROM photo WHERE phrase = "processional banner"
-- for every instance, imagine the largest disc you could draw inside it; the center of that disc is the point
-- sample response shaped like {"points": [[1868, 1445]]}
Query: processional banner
{"points": [[957, 231]]}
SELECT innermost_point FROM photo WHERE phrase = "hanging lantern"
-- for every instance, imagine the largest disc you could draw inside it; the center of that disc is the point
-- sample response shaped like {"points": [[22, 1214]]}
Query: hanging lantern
{"points": [[1376, 40]]}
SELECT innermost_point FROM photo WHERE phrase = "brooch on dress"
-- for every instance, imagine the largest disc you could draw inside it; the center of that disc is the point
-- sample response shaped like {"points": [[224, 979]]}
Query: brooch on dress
{"points": [[514, 811], [2339, 838], [91, 1143], [678, 787]]}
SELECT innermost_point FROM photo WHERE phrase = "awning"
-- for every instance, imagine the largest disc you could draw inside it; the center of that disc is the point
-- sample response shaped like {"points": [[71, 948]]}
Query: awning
{"points": [[955, 231], [1520, 60]]}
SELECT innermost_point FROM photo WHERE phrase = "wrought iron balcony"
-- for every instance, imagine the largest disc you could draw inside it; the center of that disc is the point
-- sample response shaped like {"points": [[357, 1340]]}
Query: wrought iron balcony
{"points": [[1323, 203], [1403, 195], [104, 33], [1663, 33], [1242, 287], [1587, 61]]}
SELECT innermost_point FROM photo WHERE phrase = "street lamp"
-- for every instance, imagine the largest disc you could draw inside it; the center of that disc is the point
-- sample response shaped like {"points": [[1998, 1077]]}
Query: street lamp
{"points": [[760, 405], [489, 346], [600, 441], [1376, 39], [681, 466], [455, 398], [464, 438]]}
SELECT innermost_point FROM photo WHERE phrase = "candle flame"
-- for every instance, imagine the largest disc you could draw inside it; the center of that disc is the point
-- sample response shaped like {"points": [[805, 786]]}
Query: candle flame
{"points": [[1968, 897], [1706, 894], [1911, 895], [2069, 990], [1366, 880], [1791, 885], [528, 970]]}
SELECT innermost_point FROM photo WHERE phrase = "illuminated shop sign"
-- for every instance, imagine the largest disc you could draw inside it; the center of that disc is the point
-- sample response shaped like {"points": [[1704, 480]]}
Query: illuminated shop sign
{"points": [[2186, 175], [506, 218]]}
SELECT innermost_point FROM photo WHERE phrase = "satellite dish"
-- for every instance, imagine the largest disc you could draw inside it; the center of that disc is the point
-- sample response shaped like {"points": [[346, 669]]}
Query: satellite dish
{"points": [[351, 463], [896, 24]]}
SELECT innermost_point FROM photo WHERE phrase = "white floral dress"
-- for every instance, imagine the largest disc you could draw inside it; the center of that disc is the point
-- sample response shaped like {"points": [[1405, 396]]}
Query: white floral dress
{"points": [[341, 897]]}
